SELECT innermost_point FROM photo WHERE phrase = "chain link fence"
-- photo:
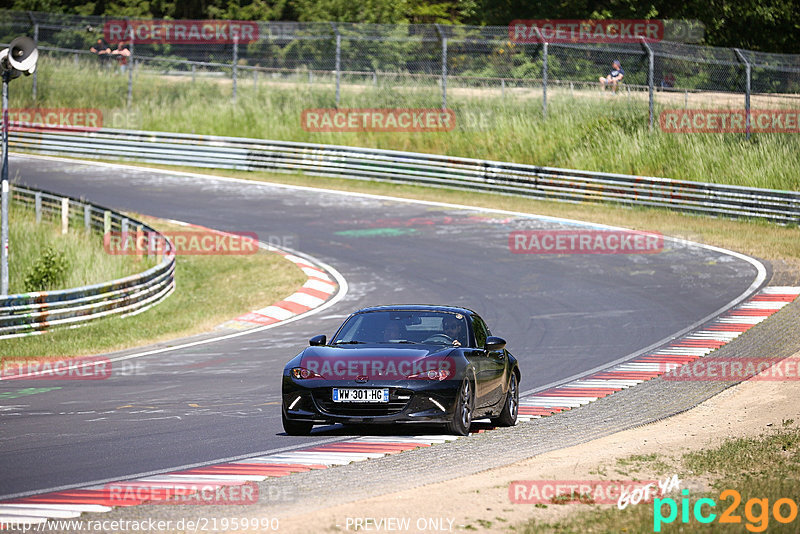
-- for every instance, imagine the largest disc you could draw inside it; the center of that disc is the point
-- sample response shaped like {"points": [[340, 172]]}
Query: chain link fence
{"points": [[380, 65]]}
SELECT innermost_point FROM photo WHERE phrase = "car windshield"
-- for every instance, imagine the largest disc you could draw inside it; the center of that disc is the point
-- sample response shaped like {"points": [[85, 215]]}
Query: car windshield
{"points": [[411, 327]]}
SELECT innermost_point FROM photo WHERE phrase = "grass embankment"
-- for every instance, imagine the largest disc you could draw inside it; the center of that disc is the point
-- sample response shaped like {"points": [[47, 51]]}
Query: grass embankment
{"points": [[209, 291], [764, 468], [587, 130]]}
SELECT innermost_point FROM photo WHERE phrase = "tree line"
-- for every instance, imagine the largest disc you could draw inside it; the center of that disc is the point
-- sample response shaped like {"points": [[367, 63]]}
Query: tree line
{"points": [[763, 25]]}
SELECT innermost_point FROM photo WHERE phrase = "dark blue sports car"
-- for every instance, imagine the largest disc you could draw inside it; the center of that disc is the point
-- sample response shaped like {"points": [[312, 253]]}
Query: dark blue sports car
{"points": [[403, 364]]}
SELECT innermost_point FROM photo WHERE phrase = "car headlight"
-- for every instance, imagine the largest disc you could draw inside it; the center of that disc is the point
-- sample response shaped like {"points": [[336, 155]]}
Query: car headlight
{"points": [[440, 374], [301, 373]]}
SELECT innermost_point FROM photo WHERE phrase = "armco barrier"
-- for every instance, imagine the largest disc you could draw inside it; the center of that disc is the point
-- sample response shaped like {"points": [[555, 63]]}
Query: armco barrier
{"points": [[374, 164], [31, 313]]}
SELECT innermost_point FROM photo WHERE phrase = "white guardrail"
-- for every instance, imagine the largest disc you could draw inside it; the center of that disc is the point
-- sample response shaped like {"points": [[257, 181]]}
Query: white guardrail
{"points": [[32, 313], [411, 167]]}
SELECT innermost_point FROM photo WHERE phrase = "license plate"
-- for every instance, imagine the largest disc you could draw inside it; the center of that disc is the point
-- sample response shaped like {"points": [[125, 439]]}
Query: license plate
{"points": [[360, 395]]}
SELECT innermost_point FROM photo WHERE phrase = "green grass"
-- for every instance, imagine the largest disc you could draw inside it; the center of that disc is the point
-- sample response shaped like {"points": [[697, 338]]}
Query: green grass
{"points": [[764, 467], [209, 291], [601, 132], [87, 261]]}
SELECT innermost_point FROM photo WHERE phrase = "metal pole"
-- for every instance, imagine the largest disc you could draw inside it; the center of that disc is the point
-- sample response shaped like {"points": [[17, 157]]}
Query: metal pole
{"points": [[443, 37], [130, 73], [544, 70], [338, 61], [36, 72], [235, 61], [650, 83], [444, 72], [4, 176], [748, 73], [544, 80]]}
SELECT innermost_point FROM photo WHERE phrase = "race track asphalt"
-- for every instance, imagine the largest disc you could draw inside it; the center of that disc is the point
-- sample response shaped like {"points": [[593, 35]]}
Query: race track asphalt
{"points": [[561, 314]]}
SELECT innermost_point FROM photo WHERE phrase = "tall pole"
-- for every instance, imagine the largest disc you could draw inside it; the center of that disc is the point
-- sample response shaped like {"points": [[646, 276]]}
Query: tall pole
{"points": [[650, 80], [235, 65], [4, 236], [747, 73], [130, 72], [443, 38], [35, 73]]}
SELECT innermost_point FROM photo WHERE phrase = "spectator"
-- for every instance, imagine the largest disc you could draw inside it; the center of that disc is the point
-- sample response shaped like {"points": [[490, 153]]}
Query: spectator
{"points": [[121, 53], [102, 50], [668, 80], [614, 77], [100, 47]]}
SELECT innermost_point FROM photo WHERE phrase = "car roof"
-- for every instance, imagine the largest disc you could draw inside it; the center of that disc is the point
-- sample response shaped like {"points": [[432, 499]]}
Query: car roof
{"points": [[418, 307]]}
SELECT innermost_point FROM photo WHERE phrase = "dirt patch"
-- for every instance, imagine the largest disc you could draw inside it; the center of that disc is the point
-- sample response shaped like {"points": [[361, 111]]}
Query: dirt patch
{"points": [[481, 501]]}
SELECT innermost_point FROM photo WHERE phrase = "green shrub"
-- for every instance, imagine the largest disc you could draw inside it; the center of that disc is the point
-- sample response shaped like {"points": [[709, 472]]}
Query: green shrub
{"points": [[49, 271]]}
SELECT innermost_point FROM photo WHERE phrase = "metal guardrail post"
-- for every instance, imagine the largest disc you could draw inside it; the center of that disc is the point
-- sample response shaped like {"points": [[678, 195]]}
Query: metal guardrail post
{"points": [[650, 74], [338, 61], [87, 217], [443, 38], [64, 215], [123, 226], [106, 222], [748, 73], [38, 206]]}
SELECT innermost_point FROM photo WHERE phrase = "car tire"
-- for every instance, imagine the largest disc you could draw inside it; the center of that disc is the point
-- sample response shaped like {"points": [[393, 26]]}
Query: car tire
{"points": [[462, 413], [508, 417], [296, 428]]}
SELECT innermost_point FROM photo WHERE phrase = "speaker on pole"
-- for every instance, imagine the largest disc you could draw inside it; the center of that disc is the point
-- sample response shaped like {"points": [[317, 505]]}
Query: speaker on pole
{"points": [[21, 55]]}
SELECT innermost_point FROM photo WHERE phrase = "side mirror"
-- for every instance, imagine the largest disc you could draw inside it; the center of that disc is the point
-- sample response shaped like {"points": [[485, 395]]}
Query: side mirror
{"points": [[494, 343], [318, 341]]}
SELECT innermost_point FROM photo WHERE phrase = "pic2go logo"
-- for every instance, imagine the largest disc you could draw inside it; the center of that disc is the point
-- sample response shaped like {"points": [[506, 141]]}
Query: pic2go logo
{"points": [[756, 511]]}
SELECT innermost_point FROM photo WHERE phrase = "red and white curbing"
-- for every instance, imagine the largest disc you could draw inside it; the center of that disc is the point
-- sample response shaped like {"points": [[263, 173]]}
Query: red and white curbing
{"points": [[318, 289], [68, 504], [728, 326], [72, 503]]}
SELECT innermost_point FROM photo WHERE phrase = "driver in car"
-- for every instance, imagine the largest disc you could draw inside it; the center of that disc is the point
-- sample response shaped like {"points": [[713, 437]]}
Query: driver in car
{"points": [[394, 331], [454, 329]]}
